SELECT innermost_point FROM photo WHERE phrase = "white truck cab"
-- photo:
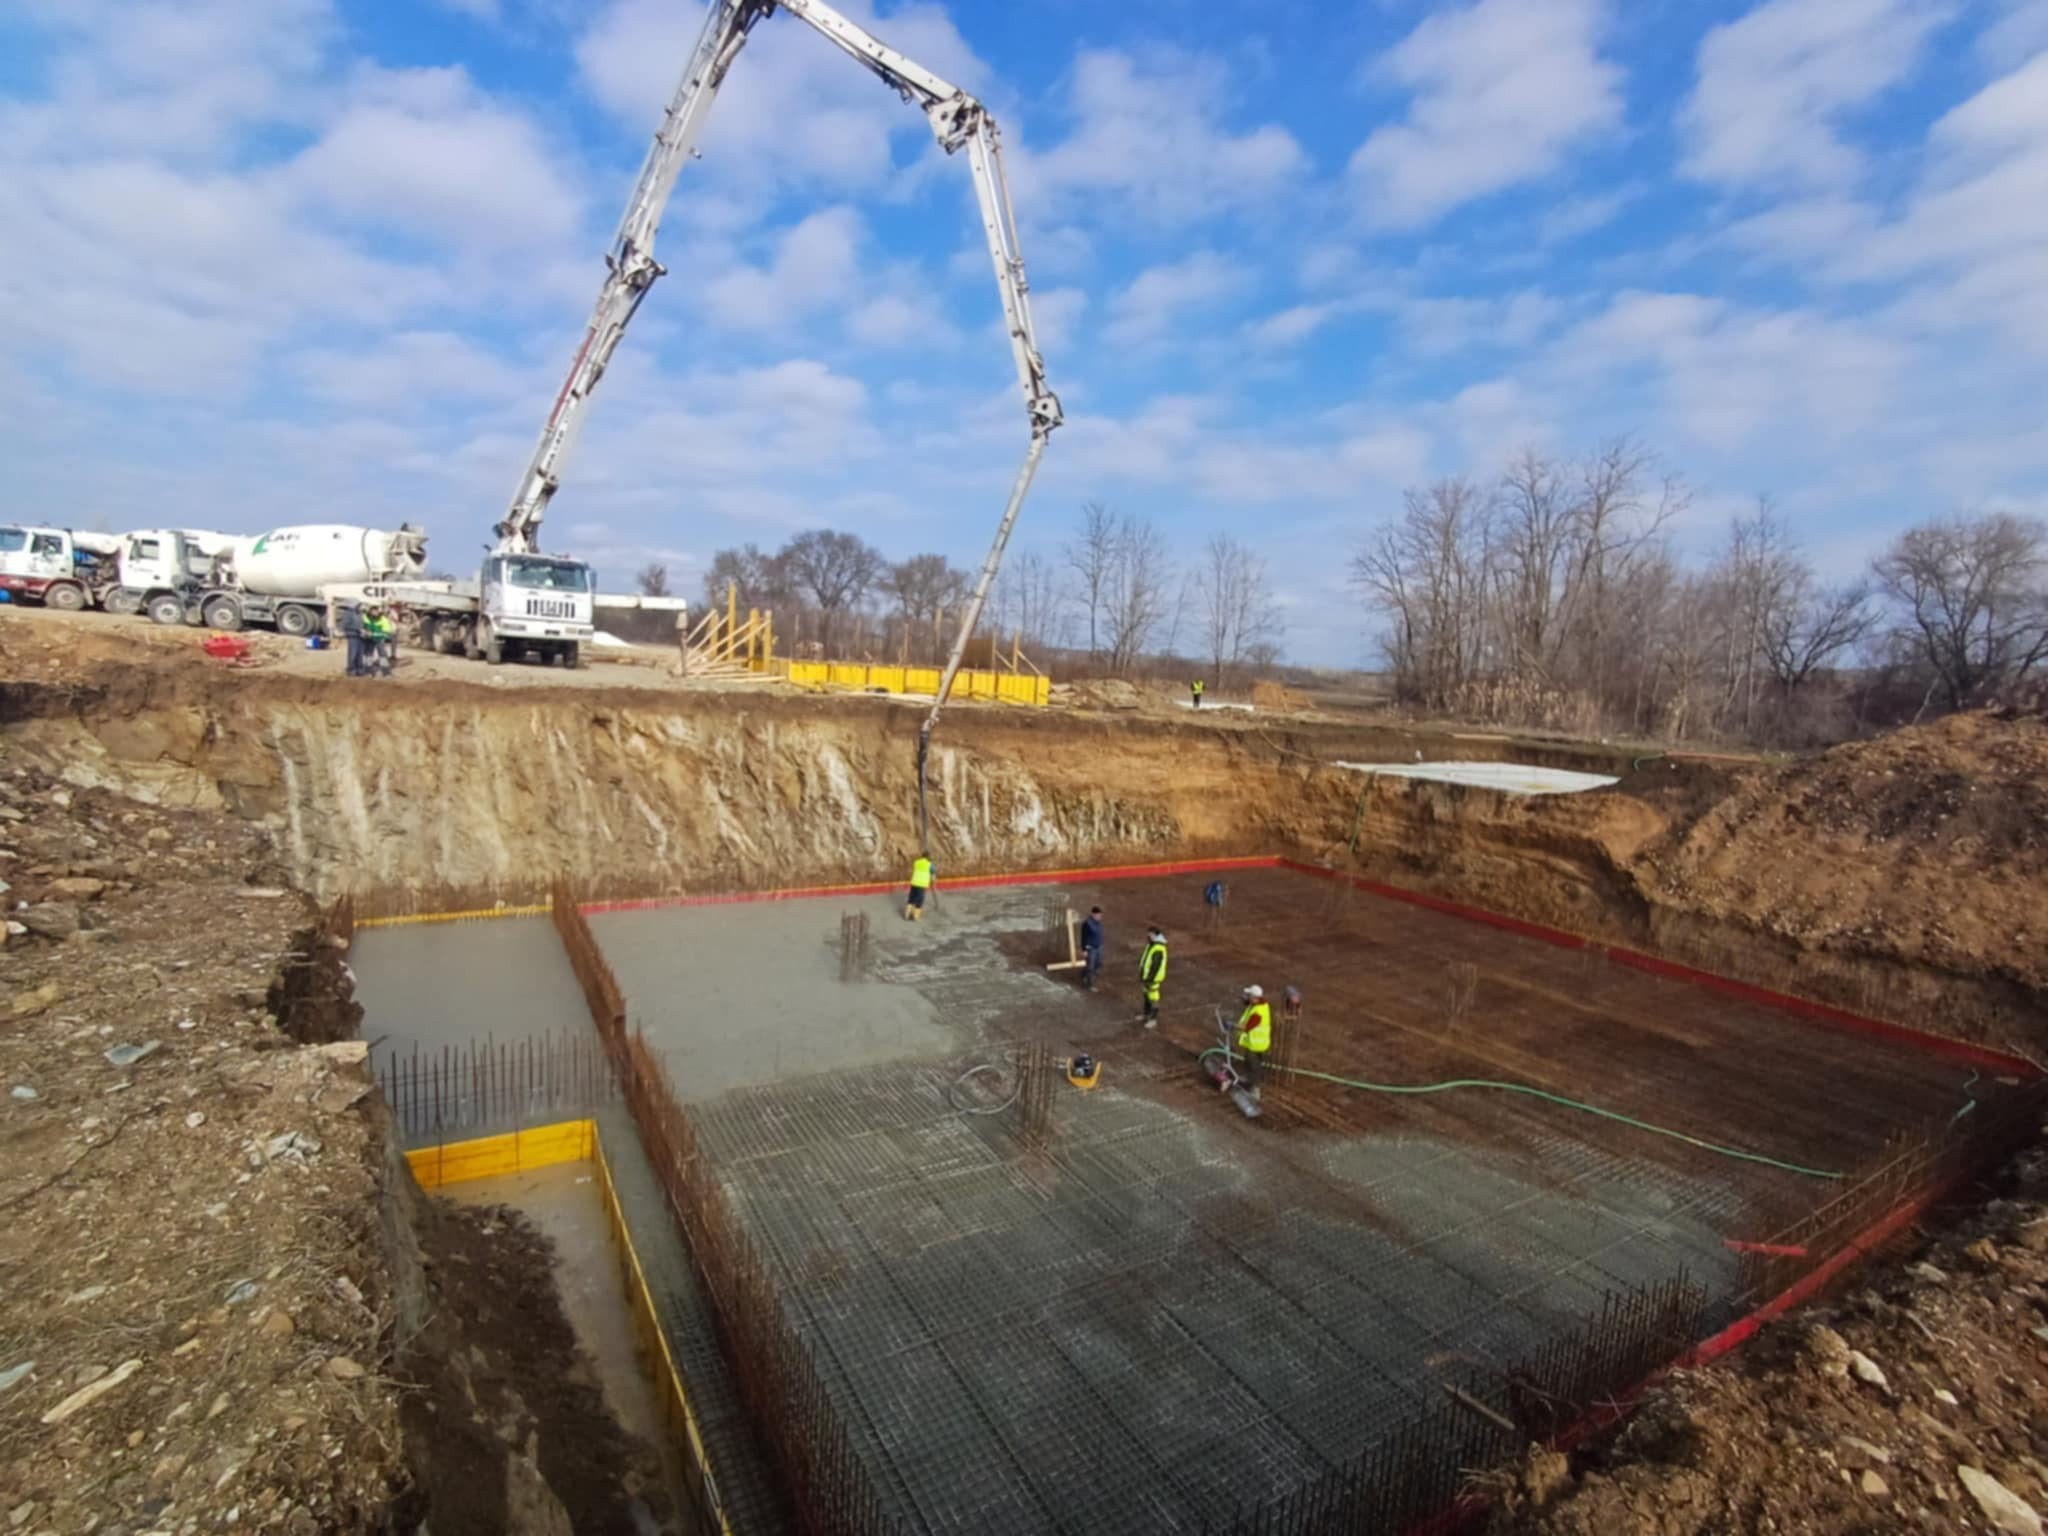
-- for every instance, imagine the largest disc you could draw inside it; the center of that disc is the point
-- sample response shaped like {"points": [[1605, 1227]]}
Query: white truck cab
{"points": [[53, 566], [535, 603]]}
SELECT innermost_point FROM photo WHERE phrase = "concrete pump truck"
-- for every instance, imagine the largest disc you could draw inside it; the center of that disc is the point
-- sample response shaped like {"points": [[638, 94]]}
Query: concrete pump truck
{"points": [[530, 601]]}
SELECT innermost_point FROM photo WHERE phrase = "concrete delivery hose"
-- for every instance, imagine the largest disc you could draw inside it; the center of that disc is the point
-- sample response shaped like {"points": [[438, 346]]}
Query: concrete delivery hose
{"points": [[1550, 1098]]}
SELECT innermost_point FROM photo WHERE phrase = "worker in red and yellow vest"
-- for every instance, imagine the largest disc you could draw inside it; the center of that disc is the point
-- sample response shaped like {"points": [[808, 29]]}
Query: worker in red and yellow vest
{"points": [[920, 886], [1254, 1037]]}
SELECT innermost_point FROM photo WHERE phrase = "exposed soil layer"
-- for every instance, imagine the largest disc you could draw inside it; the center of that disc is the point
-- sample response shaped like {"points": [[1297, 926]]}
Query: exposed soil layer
{"points": [[194, 1235], [1797, 1434], [509, 1429]]}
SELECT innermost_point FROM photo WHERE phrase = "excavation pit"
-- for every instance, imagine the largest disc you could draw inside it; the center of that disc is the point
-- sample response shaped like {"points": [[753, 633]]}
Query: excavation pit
{"points": [[1158, 1314]]}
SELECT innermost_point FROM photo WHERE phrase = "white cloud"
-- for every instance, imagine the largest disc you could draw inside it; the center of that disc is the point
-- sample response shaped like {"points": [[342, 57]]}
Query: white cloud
{"points": [[1148, 138], [1775, 85], [170, 78], [1056, 316], [812, 269], [423, 150], [404, 367], [1503, 91], [1437, 328], [1965, 249], [1729, 374], [2022, 30], [1145, 309], [156, 279], [793, 110], [1293, 325]]}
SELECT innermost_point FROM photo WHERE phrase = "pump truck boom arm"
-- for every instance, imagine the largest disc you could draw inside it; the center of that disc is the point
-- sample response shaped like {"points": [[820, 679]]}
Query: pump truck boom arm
{"points": [[958, 121], [630, 267]]}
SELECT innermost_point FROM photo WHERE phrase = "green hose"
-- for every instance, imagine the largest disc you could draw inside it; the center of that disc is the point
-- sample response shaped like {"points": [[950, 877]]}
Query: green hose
{"points": [[1553, 1098]]}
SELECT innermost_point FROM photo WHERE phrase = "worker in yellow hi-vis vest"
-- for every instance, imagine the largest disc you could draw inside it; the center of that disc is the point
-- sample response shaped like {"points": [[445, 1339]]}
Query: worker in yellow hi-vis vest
{"points": [[1152, 973], [1254, 1038], [920, 887]]}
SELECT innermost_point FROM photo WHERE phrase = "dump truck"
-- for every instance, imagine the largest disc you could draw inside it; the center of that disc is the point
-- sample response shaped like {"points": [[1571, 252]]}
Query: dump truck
{"points": [[56, 567]]}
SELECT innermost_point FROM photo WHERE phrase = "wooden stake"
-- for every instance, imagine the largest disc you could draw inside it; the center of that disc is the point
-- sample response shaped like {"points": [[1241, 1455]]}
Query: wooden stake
{"points": [[1074, 960]]}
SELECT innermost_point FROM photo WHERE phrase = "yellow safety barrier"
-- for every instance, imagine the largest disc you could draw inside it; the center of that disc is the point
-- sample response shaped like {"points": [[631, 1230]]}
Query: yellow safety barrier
{"points": [[489, 1156], [475, 915], [675, 1402], [969, 683], [577, 1141]]}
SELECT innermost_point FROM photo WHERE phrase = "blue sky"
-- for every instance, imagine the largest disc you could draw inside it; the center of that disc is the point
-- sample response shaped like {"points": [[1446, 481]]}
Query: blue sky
{"points": [[276, 261]]}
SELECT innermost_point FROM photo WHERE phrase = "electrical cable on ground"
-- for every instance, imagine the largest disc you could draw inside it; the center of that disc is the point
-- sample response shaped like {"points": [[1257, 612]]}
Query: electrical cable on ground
{"points": [[1553, 1098], [994, 1109]]}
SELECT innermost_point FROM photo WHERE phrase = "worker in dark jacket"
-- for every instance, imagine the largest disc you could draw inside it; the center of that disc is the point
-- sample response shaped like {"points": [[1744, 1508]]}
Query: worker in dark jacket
{"points": [[1091, 947], [350, 623], [1152, 973]]}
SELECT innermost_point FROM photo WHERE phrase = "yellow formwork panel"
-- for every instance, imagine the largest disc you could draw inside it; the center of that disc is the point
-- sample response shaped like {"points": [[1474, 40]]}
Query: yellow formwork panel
{"points": [[675, 1402], [577, 1141], [489, 1156], [476, 916], [1009, 688]]}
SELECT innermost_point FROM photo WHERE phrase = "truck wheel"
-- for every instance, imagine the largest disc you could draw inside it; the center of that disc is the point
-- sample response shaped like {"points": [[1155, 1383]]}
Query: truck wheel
{"points": [[64, 596], [296, 621], [493, 648], [165, 608], [222, 613], [122, 601], [572, 655]]}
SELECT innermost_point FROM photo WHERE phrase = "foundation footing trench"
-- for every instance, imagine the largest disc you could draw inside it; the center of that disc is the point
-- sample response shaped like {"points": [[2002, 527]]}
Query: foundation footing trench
{"points": [[1499, 1177]]}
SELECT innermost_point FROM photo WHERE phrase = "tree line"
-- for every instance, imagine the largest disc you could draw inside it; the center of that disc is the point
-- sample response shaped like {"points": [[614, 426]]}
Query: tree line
{"points": [[1114, 598], [1553, 595]]}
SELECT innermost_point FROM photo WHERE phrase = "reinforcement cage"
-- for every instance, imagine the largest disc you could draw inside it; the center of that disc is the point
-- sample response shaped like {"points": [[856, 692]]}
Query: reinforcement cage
{"points": [[1420, 1472]]}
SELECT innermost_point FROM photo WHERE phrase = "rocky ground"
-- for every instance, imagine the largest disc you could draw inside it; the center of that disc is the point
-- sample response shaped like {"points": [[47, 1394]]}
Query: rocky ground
{"points": [[193, 1307], [1917, 1403], [222, 1302]]}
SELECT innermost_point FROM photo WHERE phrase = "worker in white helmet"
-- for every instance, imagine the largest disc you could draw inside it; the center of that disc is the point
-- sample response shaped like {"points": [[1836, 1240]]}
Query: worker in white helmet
{"points": [[1254, 1037]]}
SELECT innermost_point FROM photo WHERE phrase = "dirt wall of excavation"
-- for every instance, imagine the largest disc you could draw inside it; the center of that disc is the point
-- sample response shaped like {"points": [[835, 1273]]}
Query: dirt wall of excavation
{"points": [[1845, 877]]}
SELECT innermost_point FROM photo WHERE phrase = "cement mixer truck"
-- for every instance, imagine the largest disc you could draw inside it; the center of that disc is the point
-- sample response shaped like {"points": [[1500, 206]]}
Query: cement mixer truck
{"points": [[182, 576], [56, 567]]}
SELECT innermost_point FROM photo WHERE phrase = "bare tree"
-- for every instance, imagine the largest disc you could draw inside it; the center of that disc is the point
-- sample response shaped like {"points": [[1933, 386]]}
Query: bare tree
{"points": [[1090, 556], [1426, 573], [1135, 596], [762, 580], [1028, 601], [1617, 528], [653, 579], [837, 570], [1973, 598], [1536, 518], [1236, 610], [924, 588]]}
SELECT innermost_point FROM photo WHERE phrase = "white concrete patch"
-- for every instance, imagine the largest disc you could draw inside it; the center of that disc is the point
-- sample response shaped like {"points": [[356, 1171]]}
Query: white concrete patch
{"points": [[1209, 704], [1509, 778]]}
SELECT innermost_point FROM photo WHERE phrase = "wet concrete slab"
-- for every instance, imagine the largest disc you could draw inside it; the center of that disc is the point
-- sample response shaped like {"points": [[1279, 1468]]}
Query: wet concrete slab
{"points": [[428, 985]]}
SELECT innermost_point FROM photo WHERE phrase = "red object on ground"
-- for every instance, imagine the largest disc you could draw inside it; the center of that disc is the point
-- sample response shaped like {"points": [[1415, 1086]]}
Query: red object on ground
{"points": [[1775, 1250], [225, 647]]}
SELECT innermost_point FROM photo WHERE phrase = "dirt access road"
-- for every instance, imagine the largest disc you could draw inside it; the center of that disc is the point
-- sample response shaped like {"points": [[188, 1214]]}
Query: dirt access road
{"points": [[60, 643]]}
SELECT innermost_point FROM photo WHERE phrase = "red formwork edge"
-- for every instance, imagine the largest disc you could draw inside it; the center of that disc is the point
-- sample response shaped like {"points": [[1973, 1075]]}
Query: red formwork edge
{"points": [[1980, 1056], [1463, 1514], [958, 883]]}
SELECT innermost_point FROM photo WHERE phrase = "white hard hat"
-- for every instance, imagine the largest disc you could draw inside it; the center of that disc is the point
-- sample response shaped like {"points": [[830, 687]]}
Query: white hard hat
{"points": [[1255, 990]]}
